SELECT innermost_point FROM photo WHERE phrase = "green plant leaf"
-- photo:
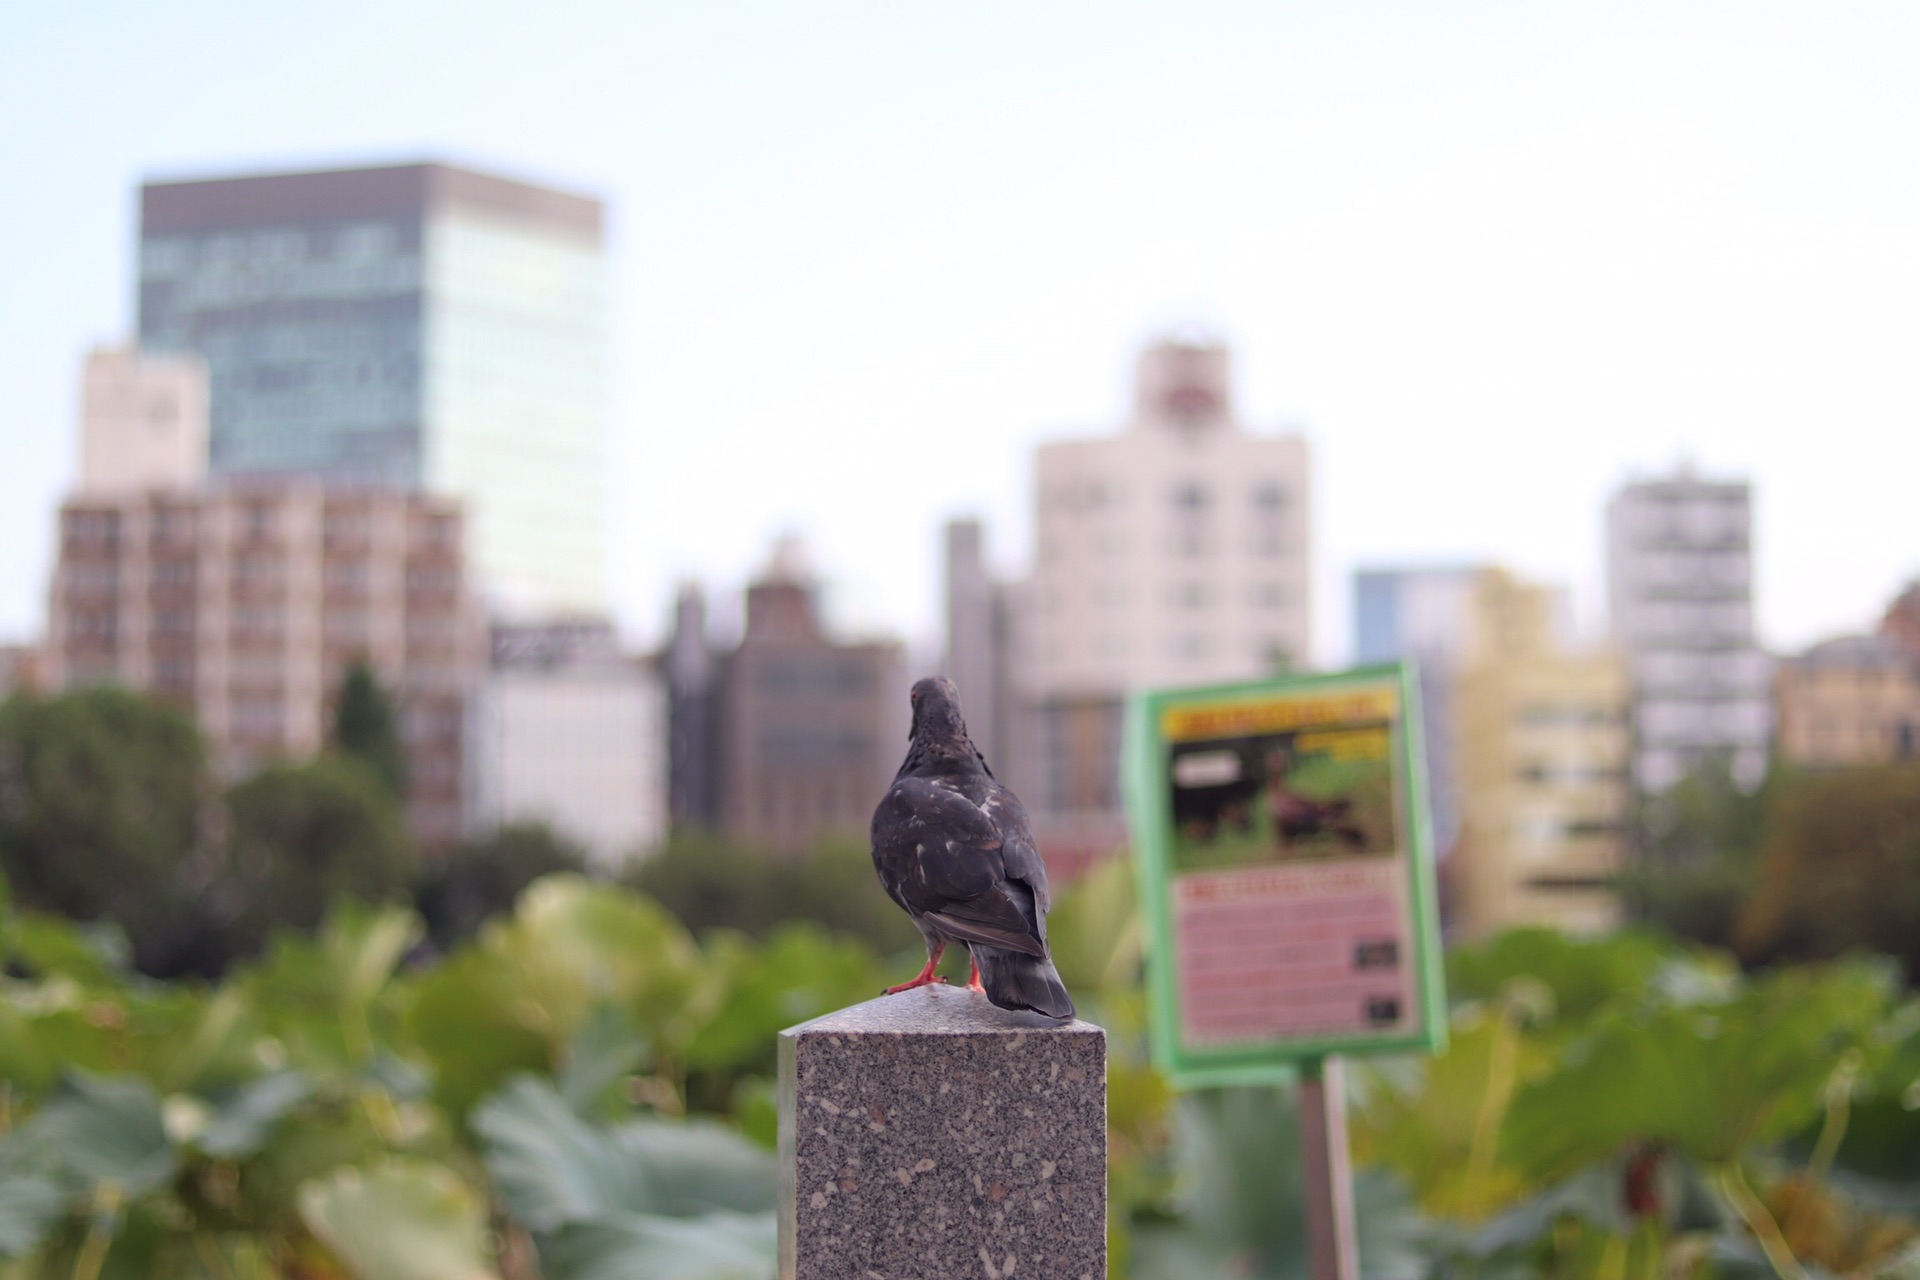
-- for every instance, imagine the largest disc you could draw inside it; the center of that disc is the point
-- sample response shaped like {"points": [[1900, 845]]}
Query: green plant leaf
{"points": [[31, 1202], [99, 1130], [516, 1000], [714, 1246], [1711, 1080], [403, 1219], [800, 972], [550, 1167], [242, 1124], [1580, 974], [604, 1051], [1444, 1131]]}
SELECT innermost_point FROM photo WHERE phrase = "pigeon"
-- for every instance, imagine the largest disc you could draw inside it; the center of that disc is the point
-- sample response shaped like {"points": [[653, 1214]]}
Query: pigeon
{"points": [[955, 849]]}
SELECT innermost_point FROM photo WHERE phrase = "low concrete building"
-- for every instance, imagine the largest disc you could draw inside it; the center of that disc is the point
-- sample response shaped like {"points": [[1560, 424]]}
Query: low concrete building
{"points": [[1854, 700], [1542, 756], [568, 730]]}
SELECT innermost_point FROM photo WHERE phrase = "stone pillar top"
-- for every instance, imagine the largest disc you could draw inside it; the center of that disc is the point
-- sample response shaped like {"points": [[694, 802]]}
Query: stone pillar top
{"points": [[928, 1135], [936, 1011]]}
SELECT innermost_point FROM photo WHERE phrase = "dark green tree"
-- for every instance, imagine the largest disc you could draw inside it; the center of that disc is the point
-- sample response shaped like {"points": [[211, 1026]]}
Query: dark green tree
{"points": [[482, 877], [365, 727], [709, 881], [1841, 868], [1699, 854], [102, 794], [299, 838]]}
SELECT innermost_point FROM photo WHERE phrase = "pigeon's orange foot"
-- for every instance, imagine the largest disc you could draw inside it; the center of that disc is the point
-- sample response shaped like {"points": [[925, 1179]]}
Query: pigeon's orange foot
{"points": [[973, 981], [925, 977], [924, 980]]}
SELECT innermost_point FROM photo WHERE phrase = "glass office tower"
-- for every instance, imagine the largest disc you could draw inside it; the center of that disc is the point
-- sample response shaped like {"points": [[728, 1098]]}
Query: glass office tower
{"points": [[416, 326]]}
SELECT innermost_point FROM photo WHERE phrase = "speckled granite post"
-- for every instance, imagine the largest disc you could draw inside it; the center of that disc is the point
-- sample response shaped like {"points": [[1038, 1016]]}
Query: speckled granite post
{"points": [[929, 1136]]}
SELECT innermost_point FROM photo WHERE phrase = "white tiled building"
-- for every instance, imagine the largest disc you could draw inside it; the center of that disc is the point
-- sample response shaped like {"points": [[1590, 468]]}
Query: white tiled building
{"points": [[1174, 552], [1680, 586]]}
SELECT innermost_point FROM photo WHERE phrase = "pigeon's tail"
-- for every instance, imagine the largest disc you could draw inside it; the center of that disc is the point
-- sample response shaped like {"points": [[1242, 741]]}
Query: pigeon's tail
{"points": [[1017, 981]]}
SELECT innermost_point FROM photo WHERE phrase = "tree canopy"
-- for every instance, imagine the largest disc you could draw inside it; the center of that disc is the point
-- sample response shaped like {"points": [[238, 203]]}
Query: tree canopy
{"points": [[366, 727], [1840, 869], [102, 793], [300, 836]]}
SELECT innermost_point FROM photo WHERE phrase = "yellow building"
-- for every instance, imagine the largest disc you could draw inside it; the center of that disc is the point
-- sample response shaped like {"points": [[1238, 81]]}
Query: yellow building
{"points": [[1855, 700], [1542, 749]]}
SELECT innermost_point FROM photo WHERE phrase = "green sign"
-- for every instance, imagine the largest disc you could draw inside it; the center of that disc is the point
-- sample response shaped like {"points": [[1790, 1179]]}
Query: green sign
{"points": [[1286, 872]]}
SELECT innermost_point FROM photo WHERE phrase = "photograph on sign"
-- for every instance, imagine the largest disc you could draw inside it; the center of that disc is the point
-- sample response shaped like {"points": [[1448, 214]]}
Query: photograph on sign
{"points": [[1284, 866]]}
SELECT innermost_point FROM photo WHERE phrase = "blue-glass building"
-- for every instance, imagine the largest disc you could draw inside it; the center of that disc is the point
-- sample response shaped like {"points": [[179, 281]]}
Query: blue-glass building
{"points": [[419, 326]]}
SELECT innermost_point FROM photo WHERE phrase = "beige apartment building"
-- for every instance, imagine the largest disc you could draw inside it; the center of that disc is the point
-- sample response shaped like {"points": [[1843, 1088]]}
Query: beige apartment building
{"points": [[246, 603], [1854, 700], [1542, 767]]}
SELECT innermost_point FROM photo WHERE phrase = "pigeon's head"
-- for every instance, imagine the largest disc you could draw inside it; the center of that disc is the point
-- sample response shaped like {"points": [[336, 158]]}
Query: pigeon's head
{"points": [[936, 713]]}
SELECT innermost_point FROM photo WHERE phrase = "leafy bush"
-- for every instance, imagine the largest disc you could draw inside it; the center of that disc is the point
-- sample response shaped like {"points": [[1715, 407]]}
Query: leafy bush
{"points": [[583, 1090]]}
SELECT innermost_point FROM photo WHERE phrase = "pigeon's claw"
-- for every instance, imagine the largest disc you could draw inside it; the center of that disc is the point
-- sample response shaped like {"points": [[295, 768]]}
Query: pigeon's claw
{"points": [[925, 978], [973, 979]]}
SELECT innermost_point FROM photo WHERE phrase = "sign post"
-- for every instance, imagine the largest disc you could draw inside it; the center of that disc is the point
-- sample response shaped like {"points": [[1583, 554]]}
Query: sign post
{"points": [[1329, 1179], [1286, 877]]}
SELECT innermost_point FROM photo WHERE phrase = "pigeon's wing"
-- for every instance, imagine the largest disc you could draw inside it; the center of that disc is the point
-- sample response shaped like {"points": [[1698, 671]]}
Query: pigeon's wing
{"points": [[939, 854], [1018, 851]]}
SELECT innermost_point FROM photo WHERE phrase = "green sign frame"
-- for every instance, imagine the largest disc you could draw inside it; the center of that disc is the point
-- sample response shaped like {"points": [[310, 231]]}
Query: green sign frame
{"points": [[1274, 716]]}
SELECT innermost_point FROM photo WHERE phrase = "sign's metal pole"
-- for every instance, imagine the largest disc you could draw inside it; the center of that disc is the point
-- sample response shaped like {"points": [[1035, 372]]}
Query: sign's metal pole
{"points": [[1329, 1175]]}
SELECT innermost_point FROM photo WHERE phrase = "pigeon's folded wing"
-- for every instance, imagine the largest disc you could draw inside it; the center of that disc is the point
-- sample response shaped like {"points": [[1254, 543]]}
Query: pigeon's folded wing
{"points": [[939, 855]]}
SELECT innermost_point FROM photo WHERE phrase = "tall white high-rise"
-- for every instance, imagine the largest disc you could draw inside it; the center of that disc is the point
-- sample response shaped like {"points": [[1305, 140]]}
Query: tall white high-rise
{"points": [[1680, 588], [1174, 552]]}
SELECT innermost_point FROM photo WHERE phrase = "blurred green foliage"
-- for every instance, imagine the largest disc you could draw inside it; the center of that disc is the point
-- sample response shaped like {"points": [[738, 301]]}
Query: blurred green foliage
{"points": [[483, 876], [709, 881], [581, 1087]]}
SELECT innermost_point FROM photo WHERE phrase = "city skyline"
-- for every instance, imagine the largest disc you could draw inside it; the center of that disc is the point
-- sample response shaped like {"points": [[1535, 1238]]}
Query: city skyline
{"points": [[1569, 247]]}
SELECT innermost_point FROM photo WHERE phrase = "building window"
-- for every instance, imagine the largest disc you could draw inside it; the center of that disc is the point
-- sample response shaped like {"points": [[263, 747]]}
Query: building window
{"points": [[173, 573], [1267, 595], [1191, 498], [92, 528], [173, 525], [1189, 595], [257, 571], [1189, 646], [350, 575], [1267, 542], [1269, 497], [259, 520]]}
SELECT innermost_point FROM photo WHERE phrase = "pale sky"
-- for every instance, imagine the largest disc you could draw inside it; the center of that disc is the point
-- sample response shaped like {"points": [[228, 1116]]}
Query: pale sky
{"points": [[1492, 259]]}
